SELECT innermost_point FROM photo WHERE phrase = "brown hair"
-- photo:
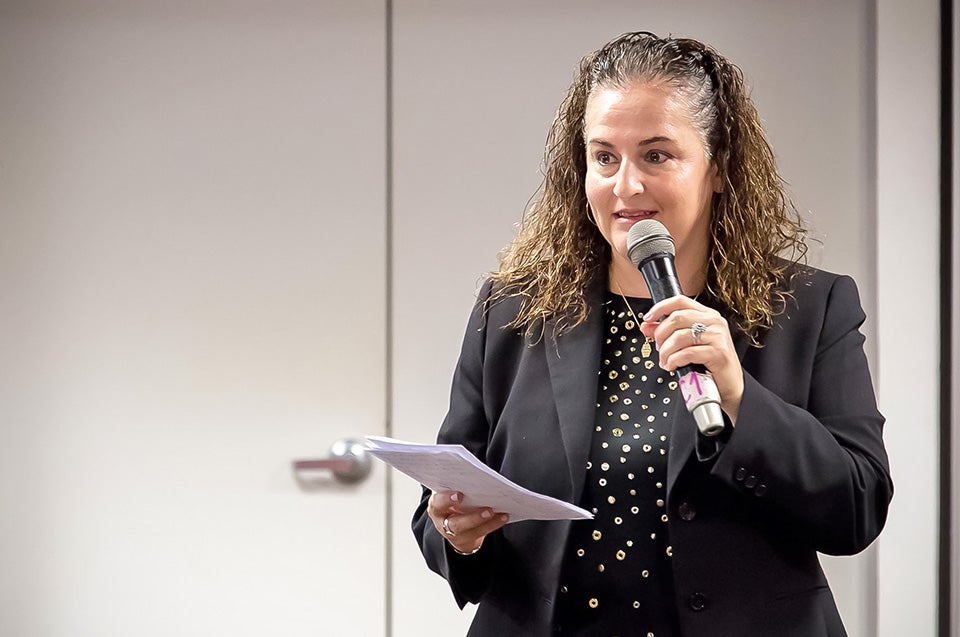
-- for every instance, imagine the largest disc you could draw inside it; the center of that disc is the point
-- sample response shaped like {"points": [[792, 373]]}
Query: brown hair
{"points": [[558, 250]]}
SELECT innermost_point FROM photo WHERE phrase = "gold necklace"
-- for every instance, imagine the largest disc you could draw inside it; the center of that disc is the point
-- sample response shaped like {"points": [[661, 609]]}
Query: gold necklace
{"points": [[646, 348]]}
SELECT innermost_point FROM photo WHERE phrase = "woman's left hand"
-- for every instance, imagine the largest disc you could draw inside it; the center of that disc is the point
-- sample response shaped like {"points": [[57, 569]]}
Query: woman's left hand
{"points": [[678, 345]]}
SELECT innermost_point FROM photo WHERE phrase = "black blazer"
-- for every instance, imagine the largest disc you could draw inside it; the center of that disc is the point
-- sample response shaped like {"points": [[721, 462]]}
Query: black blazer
{"points": [[805, 469]]}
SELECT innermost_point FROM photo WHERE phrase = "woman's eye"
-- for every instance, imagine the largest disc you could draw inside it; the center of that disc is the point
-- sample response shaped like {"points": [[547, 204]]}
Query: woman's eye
{"points": [[656, 157], [604, 158]]}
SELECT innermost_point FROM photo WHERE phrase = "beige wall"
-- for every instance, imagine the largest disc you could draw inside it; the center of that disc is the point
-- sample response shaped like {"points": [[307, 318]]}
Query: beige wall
{"points": [[908, 275], [475, 88]]}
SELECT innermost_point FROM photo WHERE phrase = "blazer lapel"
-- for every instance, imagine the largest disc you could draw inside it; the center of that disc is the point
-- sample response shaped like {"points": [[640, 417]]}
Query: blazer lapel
{"points": [[574, 360]]}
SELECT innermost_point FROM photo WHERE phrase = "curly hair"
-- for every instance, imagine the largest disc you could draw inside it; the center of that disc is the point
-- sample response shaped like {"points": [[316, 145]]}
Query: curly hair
{"points": [[756, 234]]}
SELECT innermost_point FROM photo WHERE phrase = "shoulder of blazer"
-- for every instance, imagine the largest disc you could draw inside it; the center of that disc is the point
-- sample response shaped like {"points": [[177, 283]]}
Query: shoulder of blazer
{"points": [[496, 308], [809, 291], [804, 279], [821, 307]]}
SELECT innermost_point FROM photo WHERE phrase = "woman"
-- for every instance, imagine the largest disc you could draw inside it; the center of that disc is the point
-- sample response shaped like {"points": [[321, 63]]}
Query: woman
{"points": [[559, 389]]}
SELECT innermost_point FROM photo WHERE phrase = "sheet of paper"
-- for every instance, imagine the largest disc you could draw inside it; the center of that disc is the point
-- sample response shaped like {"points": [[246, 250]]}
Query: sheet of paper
{"points": [[453, 468]]}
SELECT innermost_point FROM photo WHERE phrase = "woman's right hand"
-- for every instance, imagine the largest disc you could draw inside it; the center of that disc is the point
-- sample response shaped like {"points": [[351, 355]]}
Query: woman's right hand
{"points": [[463, 527]]}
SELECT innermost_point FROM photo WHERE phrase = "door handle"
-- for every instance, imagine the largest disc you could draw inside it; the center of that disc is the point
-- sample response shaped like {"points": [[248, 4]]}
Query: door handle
{"points": [[348, 461]]}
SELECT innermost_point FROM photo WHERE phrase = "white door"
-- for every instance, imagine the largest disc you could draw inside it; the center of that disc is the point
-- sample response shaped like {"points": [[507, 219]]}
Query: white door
{"points": [[192, 285]]}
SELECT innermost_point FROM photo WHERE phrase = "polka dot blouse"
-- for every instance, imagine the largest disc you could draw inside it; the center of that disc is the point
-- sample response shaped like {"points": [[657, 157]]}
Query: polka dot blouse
{"points": [[617, 576]]}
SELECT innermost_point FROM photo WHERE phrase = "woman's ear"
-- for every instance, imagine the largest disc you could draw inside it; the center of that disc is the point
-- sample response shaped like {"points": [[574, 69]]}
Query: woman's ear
{"points": [[715, 179]]}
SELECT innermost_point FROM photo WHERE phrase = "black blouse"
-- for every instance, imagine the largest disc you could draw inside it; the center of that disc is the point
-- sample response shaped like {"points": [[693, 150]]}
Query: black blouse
{"points": [[617, 577]]}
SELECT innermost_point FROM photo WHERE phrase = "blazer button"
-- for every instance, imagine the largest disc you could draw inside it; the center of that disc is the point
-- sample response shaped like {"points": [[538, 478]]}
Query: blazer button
{"points": [[750, 482], [740, 474], [760, 490], [687, 511], [698, 602]]}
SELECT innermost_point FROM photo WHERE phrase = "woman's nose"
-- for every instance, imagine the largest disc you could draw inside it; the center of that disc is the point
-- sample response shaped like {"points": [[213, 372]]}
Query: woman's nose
{"points": [[629, 181]]}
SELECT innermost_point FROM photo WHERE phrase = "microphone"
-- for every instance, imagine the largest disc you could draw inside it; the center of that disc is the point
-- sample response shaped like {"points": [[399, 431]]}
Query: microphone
{"points": [[651, 248]]}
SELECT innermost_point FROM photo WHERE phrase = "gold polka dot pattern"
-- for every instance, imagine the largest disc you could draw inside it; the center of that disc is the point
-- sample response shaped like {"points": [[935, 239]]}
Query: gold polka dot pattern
{"points": [[617, 567]]}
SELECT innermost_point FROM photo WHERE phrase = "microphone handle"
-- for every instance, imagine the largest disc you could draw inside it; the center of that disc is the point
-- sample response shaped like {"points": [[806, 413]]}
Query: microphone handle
{"points": [[699, 392]]}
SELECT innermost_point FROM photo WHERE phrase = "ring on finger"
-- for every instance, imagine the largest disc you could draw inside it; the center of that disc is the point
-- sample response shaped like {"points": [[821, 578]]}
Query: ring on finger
{"points": [[446, 527], [697, 330]]}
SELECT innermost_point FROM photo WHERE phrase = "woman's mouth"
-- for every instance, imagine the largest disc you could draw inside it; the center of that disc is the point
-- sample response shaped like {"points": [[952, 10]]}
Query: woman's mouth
{"points": [[632, 216]]}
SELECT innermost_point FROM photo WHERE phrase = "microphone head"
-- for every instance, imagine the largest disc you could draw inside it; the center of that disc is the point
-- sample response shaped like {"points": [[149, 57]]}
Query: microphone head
{"points": [[647, 238]]}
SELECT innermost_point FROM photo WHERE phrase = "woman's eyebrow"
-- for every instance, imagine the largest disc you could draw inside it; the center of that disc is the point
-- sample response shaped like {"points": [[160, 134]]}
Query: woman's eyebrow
{"points": [[644, 142], [654, 140]]}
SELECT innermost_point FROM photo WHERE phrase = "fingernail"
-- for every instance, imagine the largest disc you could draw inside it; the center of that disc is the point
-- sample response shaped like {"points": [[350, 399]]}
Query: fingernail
{"points": [[455, 497], [504, 517], [486, 515], [647, 316]]}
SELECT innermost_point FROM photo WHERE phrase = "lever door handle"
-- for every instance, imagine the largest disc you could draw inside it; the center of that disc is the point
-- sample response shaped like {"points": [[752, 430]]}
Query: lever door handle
{"points": [[348, 461]]}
